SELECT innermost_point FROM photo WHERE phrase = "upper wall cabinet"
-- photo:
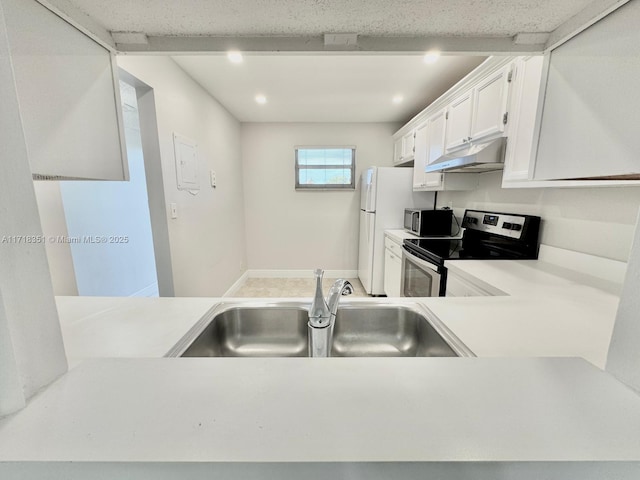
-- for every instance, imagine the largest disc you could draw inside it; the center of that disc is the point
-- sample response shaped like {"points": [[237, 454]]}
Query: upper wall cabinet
{"points": [[429, 145], [404, 148], [436, 136], [420, 158], [480, 113], [523, 109], [408, 146], [591, 111], [68, 96], [458, 122], [490, 105], [397, 151]]}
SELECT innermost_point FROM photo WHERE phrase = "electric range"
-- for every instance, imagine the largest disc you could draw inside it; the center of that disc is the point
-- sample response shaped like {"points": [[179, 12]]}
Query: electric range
{"points": [[487, 236]]}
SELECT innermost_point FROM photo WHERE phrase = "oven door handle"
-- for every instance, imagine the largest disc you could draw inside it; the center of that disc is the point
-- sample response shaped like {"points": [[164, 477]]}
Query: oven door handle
{"points": [[419, 261]]}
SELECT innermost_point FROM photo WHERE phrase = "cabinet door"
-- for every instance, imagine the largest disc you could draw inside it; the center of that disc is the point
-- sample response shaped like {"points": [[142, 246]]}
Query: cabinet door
{"points": [[458, 125], [392, 273], [436, 127], [420, 158], [408, 146], [589, 125], [433, 181], [523, 109], [397, 151], [490, 106], [69, 100]]}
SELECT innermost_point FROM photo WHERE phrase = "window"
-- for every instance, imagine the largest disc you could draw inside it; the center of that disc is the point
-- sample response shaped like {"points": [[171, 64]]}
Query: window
{"points": [[325, 167]]}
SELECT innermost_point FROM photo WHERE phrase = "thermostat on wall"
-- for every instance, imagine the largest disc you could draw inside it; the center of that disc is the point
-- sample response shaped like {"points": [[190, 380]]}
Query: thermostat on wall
{"points": [[186, 152]]}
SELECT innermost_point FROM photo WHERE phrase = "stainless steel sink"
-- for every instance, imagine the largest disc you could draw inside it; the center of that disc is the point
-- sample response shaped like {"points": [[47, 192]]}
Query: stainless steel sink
{"points": [[362, 329]]}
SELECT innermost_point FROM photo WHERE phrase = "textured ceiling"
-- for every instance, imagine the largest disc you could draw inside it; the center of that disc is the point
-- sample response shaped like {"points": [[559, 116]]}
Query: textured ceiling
{"points": [[326, 88], [314, 17]]}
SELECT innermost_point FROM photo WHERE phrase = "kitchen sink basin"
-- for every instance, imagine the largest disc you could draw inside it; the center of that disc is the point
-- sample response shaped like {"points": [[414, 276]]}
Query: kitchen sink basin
{"points": [[280, 330]]}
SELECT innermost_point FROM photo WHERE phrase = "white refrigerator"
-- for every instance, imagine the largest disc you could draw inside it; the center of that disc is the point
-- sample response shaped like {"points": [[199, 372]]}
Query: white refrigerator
{"points": [[384, 194]]}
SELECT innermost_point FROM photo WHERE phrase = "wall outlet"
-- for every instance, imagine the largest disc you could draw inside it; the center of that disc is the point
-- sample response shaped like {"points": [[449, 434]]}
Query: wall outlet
{"points": [[212, 178]]}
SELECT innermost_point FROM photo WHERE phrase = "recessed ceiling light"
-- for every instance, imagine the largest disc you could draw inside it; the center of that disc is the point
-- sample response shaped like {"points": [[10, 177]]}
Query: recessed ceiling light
{"points": [[431, 57], [397, 99], [261, 99], [234, 57]]}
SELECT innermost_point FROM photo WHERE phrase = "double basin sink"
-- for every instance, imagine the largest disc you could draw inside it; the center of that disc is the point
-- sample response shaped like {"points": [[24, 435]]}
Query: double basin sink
{"points": [[362, 329]]}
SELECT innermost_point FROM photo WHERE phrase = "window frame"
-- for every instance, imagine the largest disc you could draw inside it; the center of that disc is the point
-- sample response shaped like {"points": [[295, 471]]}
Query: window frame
{"points": [[325, 186]]}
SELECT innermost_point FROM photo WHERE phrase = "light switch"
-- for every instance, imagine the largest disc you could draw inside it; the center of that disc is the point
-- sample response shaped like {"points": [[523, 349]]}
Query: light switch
{"points": [[212, 178], [174, 210]]}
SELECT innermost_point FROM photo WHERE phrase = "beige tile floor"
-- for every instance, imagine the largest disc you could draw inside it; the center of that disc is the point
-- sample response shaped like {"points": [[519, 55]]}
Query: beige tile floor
{"points": [[290, 287]]}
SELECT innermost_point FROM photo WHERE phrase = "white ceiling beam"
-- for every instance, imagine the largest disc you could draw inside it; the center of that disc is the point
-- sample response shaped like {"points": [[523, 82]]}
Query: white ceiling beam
{"points": [[531, 38], [130, 38], [80, 20], [316, 44], [593, 12]]}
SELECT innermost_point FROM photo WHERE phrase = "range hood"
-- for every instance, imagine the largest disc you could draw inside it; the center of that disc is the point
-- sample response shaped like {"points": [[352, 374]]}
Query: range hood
{"points": [[480, 157]]}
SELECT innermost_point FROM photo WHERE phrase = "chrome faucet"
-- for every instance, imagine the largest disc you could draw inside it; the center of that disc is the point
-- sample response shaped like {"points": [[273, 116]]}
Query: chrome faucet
{"points": [[322, 315]]}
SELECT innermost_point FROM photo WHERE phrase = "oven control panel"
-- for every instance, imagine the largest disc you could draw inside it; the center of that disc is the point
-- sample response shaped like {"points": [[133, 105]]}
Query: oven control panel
{"points": [[506, 225]]}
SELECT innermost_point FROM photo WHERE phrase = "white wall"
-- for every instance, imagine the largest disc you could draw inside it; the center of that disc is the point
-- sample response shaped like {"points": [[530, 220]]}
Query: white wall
{"points": [[54, 224], [114, 209], [597, 221], [289, 229], [207, 239]]}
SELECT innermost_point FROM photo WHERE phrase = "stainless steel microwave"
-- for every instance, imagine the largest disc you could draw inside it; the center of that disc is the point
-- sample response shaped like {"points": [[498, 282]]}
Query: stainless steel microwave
{"points": [[428, 223]]}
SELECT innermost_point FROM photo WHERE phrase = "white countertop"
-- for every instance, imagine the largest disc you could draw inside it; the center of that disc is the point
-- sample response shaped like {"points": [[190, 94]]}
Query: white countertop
{"points": [[154, 410], [542, 314], [398, 235], [328, 410], [104, 327]]}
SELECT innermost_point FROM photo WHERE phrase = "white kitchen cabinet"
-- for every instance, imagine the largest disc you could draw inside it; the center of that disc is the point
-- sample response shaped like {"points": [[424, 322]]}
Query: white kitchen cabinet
{"points": [[404, 148], [489, 112], [397, 151], [392, 268], [458, 122], [429, 144], [436, 136], [523, 110], [591, 111], [68, 94], [480, 113], [420, 157], [440, 182], [408, 146]]}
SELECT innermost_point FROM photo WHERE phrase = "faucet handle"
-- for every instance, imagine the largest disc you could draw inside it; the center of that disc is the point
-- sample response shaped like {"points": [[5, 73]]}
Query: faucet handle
{"points": [[319, 312]]}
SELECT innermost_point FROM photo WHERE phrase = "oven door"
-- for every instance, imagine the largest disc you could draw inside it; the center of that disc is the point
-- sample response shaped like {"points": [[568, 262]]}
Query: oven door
{"points": [[419, 277]]}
